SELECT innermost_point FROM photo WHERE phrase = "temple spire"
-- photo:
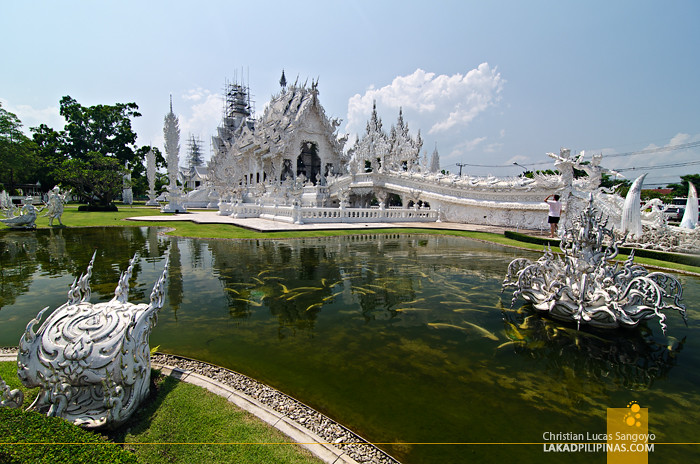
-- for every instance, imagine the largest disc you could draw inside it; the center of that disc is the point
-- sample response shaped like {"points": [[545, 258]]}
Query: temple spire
{"points": [[283, 81]]}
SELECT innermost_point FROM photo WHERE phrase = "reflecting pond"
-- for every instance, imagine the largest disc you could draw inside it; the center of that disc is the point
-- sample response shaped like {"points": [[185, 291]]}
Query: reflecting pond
{"points": [[404, 338]]}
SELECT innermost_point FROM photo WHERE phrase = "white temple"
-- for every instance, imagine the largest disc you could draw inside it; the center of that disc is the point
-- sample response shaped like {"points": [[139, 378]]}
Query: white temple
{"points": [[292, 165]]}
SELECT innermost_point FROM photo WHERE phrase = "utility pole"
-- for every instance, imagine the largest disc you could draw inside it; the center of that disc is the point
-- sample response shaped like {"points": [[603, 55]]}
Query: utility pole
{"points": [[460, 168]]}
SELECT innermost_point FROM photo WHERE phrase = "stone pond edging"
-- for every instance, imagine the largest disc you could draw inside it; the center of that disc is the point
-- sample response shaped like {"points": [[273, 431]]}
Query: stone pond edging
{"points": [[322, 436]]}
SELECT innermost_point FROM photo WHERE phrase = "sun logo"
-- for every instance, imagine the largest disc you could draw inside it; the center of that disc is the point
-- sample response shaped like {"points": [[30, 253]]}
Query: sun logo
{"points": [[632, 418]]}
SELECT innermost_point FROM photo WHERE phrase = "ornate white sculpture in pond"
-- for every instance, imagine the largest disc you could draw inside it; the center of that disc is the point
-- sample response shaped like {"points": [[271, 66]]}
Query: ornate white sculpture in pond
{"points": [[92, 362], [587, 287]]}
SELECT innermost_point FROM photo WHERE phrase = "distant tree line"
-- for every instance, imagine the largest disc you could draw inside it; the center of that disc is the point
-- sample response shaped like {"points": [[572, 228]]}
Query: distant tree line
{"points": [[90, 156]]}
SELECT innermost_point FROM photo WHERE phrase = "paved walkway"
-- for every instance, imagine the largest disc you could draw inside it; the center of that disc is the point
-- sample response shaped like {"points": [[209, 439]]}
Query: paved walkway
{"points": [[267, 225]]}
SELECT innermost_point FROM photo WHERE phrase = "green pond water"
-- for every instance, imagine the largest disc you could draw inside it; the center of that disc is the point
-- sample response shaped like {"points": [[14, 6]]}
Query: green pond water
{"points": [[406, 339]]}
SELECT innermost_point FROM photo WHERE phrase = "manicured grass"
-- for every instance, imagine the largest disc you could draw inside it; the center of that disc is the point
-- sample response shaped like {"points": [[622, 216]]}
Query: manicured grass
{"points": [[189, 424], [179, 423]]}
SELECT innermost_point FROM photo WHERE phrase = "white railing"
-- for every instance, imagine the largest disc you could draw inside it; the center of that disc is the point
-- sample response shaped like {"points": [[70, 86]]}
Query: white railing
{"points": [[316, 215]]}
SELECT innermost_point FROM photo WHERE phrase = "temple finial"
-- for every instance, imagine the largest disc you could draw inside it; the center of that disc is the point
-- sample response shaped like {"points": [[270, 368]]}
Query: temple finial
{"points": [[283, 81]]}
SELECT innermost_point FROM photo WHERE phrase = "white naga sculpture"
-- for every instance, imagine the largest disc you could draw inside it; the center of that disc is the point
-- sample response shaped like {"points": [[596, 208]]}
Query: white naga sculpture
{"points": [[586, 286], [91, 361]]}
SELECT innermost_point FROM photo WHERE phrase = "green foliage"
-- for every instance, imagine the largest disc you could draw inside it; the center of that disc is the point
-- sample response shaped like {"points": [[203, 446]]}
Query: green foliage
{"points": [[545, 172], [105, 129], [97, 178], [96, 144], [17, 155], [36, 438], [50, 153], [621, 186], [647, 195], [681, 190]]}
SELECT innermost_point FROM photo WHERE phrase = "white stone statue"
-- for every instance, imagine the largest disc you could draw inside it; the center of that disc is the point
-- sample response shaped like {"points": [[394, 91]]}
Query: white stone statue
{"points": [[5, 202], [631, 213], [151, 175], [91, 362], [690, 216], [55, 205], [25, 218]]}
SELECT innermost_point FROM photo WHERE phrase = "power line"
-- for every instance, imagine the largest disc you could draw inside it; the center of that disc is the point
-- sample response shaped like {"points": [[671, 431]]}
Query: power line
{"points": [[660, 166], [683, 146]]}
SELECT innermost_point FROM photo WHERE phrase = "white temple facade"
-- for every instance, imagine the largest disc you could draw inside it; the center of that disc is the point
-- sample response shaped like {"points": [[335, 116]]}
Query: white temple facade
{"points": [[291, 165]]}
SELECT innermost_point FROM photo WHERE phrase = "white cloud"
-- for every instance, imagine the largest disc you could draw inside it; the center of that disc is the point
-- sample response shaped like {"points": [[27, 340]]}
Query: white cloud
{"points": [[442, 102], [493, 147], [33, 117], [466, 146]]}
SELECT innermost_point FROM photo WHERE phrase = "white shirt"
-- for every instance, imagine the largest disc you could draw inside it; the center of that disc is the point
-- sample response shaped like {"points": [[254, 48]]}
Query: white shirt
{"points": [[554, 208]]}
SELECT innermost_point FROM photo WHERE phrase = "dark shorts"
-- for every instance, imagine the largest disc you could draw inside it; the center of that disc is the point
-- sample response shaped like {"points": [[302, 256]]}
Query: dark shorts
{"points": [[553, 220]]}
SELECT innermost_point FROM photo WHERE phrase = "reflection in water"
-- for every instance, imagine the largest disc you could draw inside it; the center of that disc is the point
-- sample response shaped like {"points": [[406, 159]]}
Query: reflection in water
{"points": [[174, 285], [628, 359], [375, 330]]}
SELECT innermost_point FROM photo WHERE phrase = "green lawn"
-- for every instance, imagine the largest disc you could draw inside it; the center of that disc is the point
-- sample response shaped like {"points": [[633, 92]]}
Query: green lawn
{"points": [[179, 423]]}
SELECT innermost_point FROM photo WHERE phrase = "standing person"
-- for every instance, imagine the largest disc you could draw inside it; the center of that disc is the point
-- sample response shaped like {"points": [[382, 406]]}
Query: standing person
{"points": [[554, 213]]}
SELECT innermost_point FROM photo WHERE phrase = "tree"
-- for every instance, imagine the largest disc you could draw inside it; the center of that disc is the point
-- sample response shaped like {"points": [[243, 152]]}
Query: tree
{"points": [[49, 148], [681, 190], [622, 186], [98, 179], [105, 129], [17, 159], [96, 149]]}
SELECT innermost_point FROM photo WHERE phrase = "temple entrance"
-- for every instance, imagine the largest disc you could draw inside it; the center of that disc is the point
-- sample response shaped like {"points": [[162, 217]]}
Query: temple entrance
{"points": [[287, 171], [308, 162]]}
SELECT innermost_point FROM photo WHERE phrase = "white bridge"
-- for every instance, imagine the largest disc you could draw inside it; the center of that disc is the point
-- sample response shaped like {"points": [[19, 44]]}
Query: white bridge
{"points": [[513, 202]]}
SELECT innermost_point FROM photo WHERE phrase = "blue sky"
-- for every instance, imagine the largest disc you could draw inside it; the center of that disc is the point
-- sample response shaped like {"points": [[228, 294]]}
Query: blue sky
{"points": [[489, 83]]}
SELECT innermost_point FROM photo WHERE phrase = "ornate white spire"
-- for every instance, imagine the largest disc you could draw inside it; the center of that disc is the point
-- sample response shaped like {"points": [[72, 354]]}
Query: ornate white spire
{"points": [[435, 160], [171, 133]]}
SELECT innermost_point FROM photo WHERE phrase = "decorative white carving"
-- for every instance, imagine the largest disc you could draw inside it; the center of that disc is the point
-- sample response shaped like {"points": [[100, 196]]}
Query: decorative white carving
{"points": [[151, 175], [690, 215], [631, 214], [91, 361], [587, 287], [55, 205], [171, 133], [25, 218]]}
